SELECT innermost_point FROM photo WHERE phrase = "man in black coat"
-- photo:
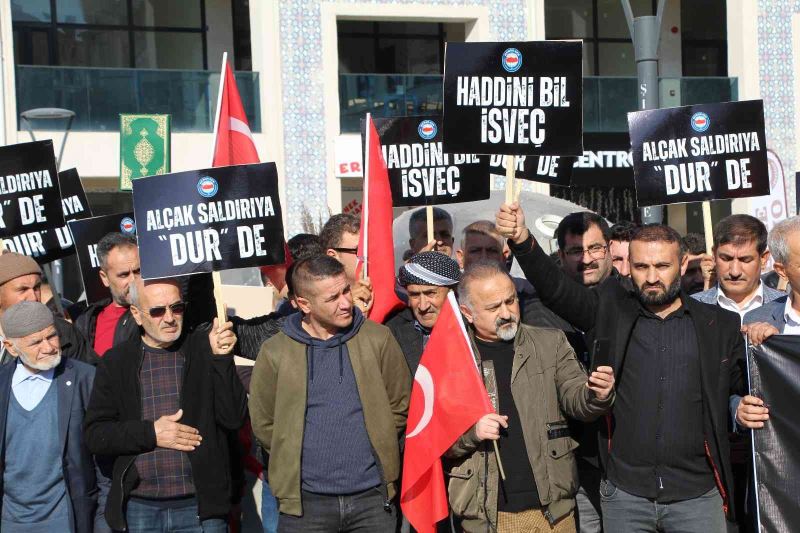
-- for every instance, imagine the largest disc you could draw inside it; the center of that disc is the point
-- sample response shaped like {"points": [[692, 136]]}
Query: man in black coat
{"points": [[161, 408], [664, 449], [428, 277]]}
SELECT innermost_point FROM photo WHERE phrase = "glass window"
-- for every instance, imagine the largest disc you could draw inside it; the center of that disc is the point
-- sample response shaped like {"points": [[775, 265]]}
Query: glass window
{"points": [[167, 49], [171, 13], [408, 56], [356, 55], [568, 18], [611, 21], [30, 10], [409, 28], [704, 19], [93, 48], [92, 12], [616, 59], [588, 59]]}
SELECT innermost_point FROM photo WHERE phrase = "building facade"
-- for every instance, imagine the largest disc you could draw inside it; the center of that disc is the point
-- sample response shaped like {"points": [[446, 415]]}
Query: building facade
{"points": [[309, 69]]}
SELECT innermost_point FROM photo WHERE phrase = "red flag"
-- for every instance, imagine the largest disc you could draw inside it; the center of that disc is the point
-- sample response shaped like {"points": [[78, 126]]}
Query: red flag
{"points": [[234, 141], [447, 399], [376, 244]]}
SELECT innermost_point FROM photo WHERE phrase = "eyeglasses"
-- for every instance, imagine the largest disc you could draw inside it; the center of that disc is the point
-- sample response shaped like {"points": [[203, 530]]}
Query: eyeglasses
{"points": [[178, 308], [346, 250], [596, 251]]}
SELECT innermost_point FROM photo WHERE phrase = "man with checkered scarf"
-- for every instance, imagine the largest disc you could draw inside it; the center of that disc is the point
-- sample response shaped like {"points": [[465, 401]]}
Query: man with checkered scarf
{"points": [[427, 278]]}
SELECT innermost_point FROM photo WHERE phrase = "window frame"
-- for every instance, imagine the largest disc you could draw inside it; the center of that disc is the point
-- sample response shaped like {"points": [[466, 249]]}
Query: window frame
{"points": [[25, 28]]}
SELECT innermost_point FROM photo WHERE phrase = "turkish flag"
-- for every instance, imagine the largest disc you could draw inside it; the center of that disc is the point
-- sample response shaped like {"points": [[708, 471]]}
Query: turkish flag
{"points": [[234, 141], [447, 399], [376, 244]]}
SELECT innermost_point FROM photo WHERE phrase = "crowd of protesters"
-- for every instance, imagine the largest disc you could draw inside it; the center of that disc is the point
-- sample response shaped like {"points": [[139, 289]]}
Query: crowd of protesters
{"points": [[617, 365]]}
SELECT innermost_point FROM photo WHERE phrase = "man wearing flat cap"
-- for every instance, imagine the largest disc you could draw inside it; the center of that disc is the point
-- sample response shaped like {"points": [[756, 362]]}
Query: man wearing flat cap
{"points": [[427, 278], [21, 280], [49, 480]]}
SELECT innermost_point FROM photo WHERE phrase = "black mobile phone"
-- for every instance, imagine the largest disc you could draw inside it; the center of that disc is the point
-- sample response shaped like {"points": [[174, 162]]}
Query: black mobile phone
{"points": [[601, 353]]}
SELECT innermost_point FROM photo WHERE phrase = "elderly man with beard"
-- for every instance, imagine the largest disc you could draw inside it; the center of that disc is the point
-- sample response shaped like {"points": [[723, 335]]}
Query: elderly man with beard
{"points": [[49, 482], [428, 277], [665, 448], [161, 408], [536, 381]]}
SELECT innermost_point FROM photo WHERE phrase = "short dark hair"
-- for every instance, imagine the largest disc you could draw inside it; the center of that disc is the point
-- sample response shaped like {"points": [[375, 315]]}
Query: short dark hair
{"points": [[335, 227], [741, 229], [578, 224], [111, 241], [622, 231], [304, 245], [420, 216], [694, 243], [314, 268], [659, 233]]}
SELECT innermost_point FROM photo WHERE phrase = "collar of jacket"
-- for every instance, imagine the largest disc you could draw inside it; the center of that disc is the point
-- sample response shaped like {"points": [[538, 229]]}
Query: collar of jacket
{"points": [[524, 347]]}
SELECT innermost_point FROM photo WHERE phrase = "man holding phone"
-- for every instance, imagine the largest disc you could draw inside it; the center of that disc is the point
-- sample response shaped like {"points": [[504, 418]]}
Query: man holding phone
{"points": [[665, 448]]}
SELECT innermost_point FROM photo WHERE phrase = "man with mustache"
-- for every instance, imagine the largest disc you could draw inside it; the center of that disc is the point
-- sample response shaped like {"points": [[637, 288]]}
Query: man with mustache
{"points": [[740, 254], [535, 381], [48, 475], [664, 448], [583, 247], [428, 277], [328, 402]]}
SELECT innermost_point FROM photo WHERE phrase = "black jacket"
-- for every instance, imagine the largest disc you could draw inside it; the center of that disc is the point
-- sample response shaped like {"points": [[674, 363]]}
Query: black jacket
{"points": [[86, 323], [85, 488], [610, 310], [213, 401], [407, 336]]}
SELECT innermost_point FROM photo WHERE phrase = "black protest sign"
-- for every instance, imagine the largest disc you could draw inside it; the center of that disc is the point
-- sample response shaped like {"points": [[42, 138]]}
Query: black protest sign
{"points": [[87, 233], [420, 173], [48, 245], [207, 220], [551, 169], [29, 195], [513, 98], [606, 161], [699, 152]]}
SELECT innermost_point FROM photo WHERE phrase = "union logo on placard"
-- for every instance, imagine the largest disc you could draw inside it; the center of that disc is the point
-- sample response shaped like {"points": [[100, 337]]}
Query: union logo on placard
{"points": [[700, 122], [127, 225], [427, 129], [207, 186], [512, 60]]}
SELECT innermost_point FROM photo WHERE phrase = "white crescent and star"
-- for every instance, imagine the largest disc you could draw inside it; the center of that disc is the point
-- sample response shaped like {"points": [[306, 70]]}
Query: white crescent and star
{"points": [[425, 380]]}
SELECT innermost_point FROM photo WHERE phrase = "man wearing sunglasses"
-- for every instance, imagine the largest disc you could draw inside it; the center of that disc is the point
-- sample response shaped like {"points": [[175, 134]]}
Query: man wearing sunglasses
{"points": [[339, 239], [161, 407]]}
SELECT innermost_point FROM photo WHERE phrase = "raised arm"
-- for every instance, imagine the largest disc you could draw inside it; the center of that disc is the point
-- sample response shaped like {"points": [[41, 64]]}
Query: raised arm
{"points": [[564, 296]]}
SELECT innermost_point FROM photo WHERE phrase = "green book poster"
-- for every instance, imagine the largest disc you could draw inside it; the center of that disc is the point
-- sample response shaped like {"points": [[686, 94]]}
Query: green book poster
{"points": [[143, 147]]}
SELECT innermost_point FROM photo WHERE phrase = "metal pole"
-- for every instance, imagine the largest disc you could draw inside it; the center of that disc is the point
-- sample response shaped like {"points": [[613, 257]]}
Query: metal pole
{"points": [[645, 33]]}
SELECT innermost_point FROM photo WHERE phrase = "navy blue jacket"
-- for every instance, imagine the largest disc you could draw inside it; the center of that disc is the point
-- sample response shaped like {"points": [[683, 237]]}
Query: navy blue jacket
{"points": [[86, 489]]}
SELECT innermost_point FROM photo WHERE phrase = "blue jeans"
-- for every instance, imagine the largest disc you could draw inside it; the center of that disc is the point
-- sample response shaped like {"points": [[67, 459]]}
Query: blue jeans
{"points": [[146, 518], [362, 512], [626, 513], [269, 509]]}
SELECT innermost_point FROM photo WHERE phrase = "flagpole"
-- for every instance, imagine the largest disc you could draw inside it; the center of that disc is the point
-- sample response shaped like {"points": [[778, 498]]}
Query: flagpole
{"points": [[215, 276], [365, 207], [511, 168], [429, 217]]}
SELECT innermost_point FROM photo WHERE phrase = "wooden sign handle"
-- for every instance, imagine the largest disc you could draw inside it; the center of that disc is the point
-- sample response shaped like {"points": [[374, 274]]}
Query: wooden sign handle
{"points": [[511, 171], [222, 316], [708, 231], [429, 216]]}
